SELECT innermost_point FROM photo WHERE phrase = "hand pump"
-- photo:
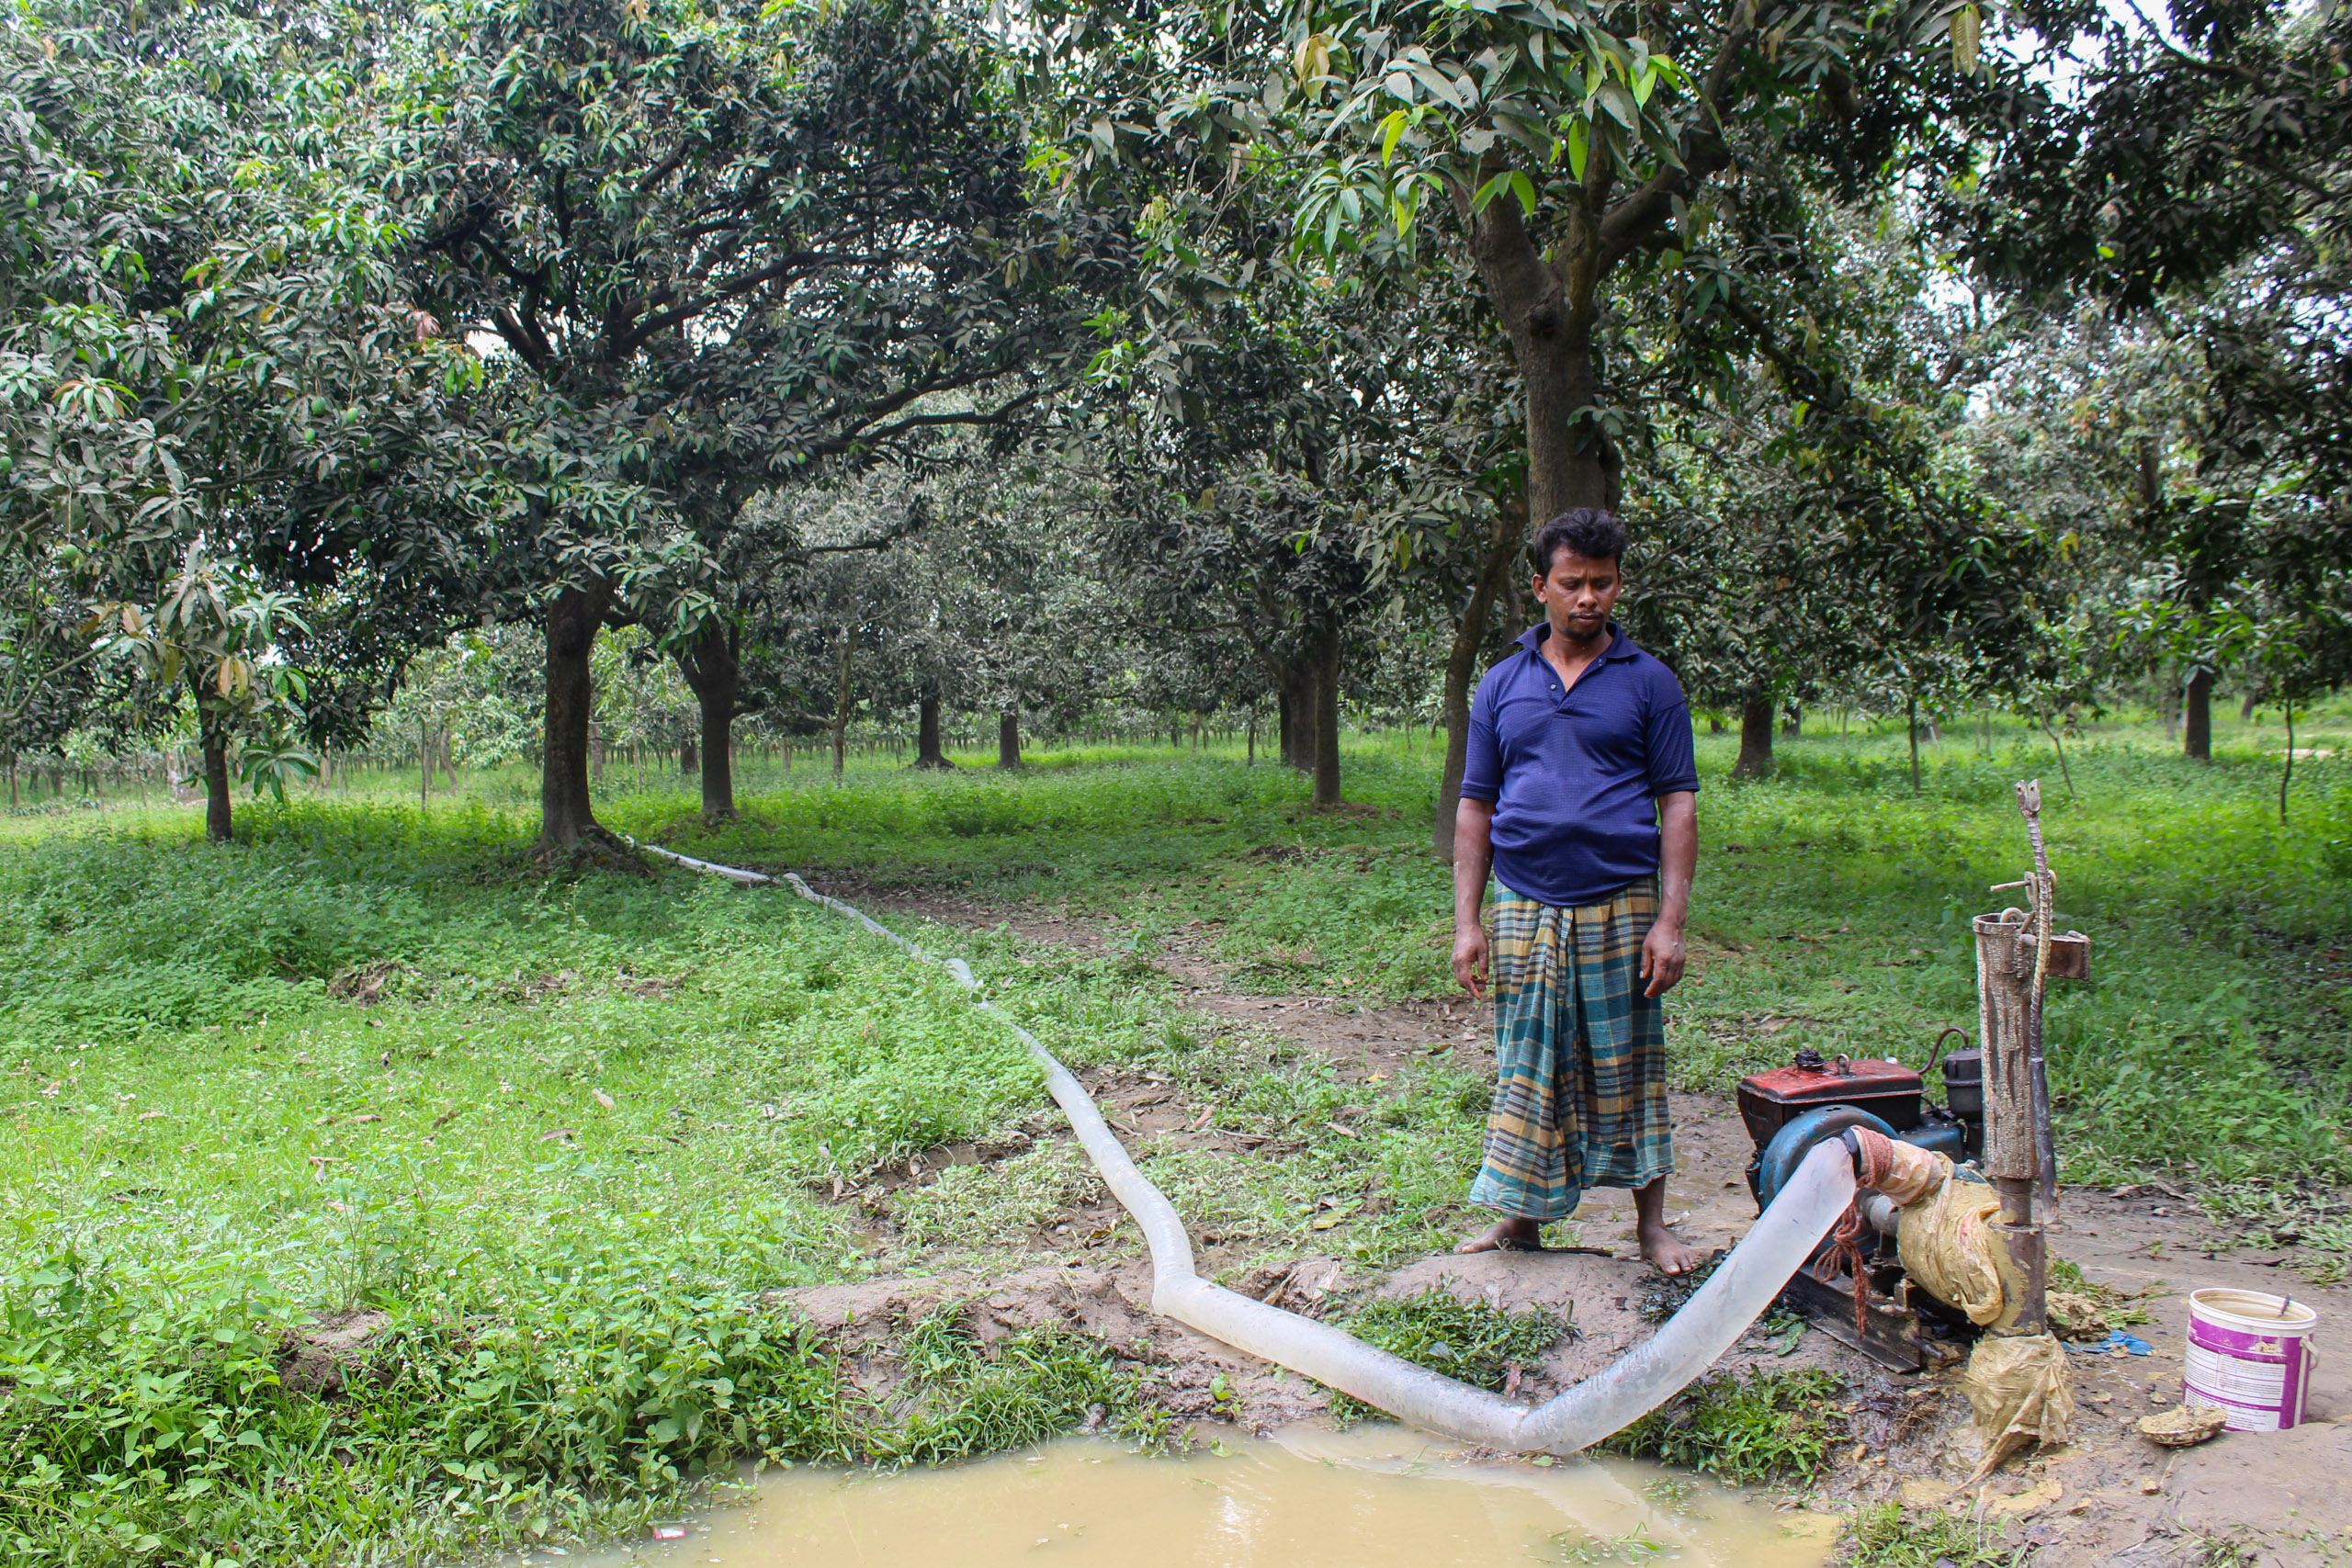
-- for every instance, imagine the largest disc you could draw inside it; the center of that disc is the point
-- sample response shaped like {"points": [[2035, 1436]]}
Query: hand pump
{"points": [[2013, 956], [2045, 894]]}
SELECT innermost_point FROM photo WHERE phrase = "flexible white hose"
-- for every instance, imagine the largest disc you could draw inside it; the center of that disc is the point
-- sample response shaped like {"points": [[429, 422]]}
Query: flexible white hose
{"points": [[1645, 1377]]}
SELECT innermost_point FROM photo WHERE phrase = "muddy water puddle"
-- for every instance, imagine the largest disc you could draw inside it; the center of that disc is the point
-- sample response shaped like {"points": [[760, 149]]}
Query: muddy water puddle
{"points": [[1372, 1497]]}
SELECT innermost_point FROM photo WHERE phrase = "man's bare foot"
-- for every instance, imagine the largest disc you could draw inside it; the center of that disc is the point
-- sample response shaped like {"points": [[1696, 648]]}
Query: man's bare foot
{"points": [[1667, 1252], [1510, 1234]]}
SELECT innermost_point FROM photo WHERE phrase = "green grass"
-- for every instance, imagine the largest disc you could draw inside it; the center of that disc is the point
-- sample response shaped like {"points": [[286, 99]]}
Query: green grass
{"points": [[1471, 1342], [1770, 1426], [568, 1153], [966, 1397], [569, 1136], [2214, 1043], [1887, 1535]]}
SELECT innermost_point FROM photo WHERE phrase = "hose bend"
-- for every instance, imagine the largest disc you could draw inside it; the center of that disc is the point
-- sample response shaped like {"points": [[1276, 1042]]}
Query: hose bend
{"points": [[1741, 1288]]}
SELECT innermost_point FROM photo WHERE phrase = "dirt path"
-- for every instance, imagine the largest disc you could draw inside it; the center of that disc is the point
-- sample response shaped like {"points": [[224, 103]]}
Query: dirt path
{"points": [[2109, 1497]]}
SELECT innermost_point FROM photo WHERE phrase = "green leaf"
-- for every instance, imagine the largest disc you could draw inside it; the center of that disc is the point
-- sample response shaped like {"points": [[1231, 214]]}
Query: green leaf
{"points": [[1967, 28], [1391, 131], [1619, 104], [1488, 191], [1579, 144], [1524, 188]]}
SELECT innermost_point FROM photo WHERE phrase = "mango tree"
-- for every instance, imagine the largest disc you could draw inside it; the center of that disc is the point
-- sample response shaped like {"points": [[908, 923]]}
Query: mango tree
{"points": [[2197, 182], [716, 246]]}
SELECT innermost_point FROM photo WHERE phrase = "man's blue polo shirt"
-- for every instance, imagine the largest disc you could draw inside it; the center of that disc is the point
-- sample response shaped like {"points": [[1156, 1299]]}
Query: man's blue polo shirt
{"points": [[1574, 777]]}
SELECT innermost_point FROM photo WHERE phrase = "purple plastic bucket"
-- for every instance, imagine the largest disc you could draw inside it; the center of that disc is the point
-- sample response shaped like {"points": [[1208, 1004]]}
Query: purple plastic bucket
{"points": [[2249, 1353]]}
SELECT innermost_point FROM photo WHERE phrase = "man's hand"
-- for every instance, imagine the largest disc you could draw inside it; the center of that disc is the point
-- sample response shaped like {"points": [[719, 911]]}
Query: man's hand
{"points": [[1474, 851], [1678, 832], [1661, 958], [1470, 958]]}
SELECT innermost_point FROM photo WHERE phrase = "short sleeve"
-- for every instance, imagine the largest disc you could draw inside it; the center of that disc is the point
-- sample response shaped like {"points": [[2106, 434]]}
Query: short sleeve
{"points": [[1673, 759], [1482, 766]]}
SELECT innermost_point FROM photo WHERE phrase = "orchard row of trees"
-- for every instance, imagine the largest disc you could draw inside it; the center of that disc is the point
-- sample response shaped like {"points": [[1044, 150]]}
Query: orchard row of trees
{"points": [[1209, 357]]}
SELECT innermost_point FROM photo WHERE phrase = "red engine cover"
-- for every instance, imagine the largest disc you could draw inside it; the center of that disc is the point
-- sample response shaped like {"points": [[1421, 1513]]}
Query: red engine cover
{"points": [[1888, 1090]]}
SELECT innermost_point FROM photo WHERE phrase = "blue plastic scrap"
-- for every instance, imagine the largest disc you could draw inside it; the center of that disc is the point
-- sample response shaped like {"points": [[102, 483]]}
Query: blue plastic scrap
{"points": [[2117, 1343]]}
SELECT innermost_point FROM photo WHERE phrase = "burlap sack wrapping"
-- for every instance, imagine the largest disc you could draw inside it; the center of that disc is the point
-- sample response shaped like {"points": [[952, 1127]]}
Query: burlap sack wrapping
{"points": [[2020, 1385], [2022, 1391], [1951, 1249]]}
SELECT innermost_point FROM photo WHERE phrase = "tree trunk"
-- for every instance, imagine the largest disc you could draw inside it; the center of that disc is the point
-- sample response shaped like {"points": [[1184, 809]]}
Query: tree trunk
{"points": [[687, 762], [1462, 667], [1793, 725], [1714, 724], [1911, 717], [714, 675], [1008, 739], [1294, 688], [1755, 735], [927, 751], [214, 733], [2198, 721], [2253, 700], [1548, 309], [566, 814], [718, 747], [841, 702], [1326, 713], [2287, 774]]}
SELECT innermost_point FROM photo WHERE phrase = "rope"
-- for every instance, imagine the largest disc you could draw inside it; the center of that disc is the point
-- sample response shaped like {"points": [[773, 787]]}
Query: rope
{"points": [[1904, 1173], [1845, 1251]]}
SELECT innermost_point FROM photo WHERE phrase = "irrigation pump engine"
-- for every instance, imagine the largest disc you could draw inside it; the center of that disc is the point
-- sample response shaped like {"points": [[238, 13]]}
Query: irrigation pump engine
{"points": [[1791, 1109]]}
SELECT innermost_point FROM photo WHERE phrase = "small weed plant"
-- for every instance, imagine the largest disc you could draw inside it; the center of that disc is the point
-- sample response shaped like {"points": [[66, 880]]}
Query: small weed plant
{"points": [[1471, 1342], [972, 1397], [1887, 1535], [1766, 1427]]}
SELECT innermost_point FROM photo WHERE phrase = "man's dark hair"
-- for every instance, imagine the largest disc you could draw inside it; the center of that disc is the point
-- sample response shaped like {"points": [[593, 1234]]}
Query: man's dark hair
{"points": [[1587, 531]]}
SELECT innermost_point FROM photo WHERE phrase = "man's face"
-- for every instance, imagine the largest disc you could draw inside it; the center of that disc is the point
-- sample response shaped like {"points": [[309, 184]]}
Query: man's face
{"points": [[1579, 594]]}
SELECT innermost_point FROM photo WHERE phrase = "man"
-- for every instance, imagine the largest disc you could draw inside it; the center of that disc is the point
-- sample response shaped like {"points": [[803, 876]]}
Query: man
{"points": [[1580, 794]]}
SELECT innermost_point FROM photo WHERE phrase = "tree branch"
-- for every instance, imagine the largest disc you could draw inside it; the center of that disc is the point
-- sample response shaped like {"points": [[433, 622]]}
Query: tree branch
{"points": [[634, 336], [1625, 226], [866, 433]]}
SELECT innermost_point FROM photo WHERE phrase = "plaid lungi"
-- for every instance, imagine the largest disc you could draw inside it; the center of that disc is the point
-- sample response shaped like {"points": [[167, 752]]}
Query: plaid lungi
{"points": [[1581, 1091]]}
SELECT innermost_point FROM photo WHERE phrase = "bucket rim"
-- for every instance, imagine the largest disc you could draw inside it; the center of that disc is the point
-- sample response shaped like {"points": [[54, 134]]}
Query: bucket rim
{"points": [[2225, 1307]]}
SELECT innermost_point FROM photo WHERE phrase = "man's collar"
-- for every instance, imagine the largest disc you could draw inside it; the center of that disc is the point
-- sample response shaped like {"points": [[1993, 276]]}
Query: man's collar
{"points": [[1620, 645]]}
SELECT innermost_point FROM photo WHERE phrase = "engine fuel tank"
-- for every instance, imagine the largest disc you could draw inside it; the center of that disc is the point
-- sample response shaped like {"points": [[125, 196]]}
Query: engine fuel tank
{"points": [[1888, 1090]]}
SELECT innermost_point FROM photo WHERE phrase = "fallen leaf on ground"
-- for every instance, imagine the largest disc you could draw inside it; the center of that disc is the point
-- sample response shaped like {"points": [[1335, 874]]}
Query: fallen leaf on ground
{"points": [[2032, 1498]]}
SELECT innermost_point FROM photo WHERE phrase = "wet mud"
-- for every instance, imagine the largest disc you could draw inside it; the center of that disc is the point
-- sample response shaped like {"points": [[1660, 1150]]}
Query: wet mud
{"points": [[1375, 1497]]}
